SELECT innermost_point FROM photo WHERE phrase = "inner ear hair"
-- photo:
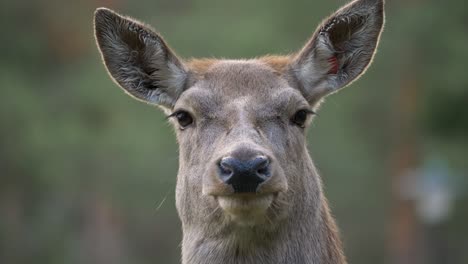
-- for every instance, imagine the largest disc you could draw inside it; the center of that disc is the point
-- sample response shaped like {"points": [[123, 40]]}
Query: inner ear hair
{"points": [[340, 50], [340, 29]]}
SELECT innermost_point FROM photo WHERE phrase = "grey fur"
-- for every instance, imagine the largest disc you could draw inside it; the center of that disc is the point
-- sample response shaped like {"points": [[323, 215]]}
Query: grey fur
{"points": [[246, 106]]}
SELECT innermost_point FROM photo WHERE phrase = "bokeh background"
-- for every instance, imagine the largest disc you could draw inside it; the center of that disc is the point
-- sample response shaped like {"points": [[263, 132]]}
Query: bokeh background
{"points": [[88, 174]]}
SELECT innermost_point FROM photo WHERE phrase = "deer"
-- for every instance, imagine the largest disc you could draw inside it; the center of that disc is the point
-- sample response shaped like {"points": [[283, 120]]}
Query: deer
{"points": [[247, 190]]}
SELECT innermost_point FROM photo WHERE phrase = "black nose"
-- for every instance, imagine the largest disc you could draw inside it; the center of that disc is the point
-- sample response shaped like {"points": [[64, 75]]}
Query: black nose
{"points": [[244, 175]]}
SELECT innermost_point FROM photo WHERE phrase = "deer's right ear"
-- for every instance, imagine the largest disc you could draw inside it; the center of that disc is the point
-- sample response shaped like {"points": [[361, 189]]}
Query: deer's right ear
{"points": [[138, 59]]}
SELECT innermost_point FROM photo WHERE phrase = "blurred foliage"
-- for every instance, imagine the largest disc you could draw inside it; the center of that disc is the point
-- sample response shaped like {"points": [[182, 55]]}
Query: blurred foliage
{"points": [[88, 174]]}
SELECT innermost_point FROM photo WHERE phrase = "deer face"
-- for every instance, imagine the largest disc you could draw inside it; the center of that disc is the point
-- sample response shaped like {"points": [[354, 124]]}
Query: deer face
{"points": [[241, 135], [241, 123]]}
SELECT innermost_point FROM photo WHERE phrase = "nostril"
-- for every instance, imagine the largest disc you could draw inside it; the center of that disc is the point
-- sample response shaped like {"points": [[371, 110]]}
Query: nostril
{"points": [[225, 166], [263, 166], [263, 170], [225, 169]]}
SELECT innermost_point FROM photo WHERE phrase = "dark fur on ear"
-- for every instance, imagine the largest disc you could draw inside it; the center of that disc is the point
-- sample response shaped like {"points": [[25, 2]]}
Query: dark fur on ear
{"points": [[340, 50], [138, 59]]}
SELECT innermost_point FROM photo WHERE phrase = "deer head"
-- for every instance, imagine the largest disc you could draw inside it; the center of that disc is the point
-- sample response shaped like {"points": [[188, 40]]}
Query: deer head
{"points": [[245, 176]]}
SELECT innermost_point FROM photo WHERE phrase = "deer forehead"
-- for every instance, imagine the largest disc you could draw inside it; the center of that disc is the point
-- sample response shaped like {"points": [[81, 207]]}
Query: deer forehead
{"points": [[241, 77], [231, 86]]}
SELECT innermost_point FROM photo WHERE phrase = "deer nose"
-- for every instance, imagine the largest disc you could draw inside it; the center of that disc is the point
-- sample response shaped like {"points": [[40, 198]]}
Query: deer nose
{"points": [[244, 175]]}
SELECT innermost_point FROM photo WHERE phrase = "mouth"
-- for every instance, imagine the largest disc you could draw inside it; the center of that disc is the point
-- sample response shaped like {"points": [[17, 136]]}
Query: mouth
{"points": [[246, 209]]}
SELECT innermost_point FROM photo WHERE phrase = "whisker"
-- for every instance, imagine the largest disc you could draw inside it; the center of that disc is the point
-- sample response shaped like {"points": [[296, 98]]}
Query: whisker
{"points": [[162, 202], [268, 219], [214, 211]]}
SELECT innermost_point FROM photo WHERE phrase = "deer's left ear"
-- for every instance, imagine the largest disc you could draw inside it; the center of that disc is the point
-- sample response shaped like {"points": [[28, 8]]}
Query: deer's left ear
{"points": [[340, 50]]}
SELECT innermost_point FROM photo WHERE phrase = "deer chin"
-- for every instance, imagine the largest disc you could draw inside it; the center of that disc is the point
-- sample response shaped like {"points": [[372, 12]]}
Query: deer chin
{"points": [[246, 209]]}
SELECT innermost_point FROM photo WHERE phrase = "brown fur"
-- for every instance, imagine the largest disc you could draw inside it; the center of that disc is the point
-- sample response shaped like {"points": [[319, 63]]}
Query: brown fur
{"points": [[277, 62], [245, 109], [201, 66]]}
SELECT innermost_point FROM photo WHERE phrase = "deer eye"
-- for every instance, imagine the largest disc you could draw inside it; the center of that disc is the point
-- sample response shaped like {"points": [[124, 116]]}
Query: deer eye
{"points": [[183, 118], [300, 117]]}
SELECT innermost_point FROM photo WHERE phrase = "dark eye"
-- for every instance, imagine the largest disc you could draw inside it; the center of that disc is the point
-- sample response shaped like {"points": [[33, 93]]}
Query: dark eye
{"points": [[300, 117], [184, 118]]}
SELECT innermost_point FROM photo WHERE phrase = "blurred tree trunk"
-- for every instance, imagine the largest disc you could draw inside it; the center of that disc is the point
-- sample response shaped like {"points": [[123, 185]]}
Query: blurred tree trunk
{"points": [[102, 239], [405, 159], [405, 228], [11, 212]]}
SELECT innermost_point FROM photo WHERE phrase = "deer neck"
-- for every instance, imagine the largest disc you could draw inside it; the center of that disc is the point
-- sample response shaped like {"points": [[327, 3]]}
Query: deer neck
{"points": [[305, 237]]}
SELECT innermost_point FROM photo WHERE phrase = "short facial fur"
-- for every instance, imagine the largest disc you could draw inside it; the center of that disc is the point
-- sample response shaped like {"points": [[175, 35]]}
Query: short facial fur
{"points": [[243, 110]]}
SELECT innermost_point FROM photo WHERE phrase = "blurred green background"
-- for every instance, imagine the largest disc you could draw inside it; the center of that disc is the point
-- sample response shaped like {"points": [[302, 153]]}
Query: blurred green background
{"points": [[88, 174]]}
